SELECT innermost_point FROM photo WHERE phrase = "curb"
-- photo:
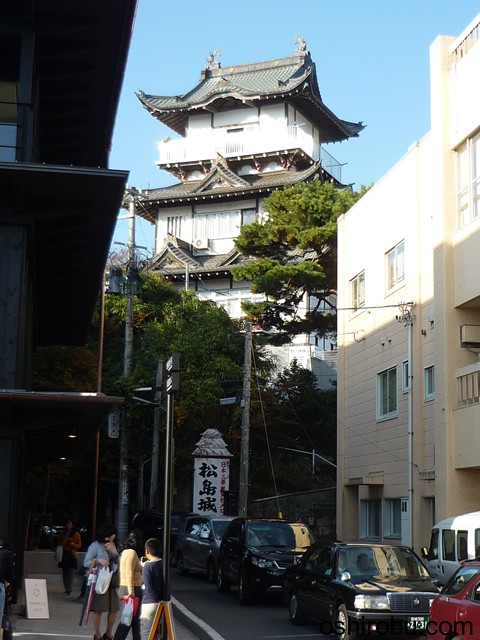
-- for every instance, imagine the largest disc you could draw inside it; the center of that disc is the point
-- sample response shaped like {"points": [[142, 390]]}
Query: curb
{"points": [[193, 623]]}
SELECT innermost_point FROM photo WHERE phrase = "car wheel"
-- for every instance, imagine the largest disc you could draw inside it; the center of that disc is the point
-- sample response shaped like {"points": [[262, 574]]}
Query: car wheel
{"points": [[342, 629], [223, 585], [180, 565], [245, 592], [211, 571], [296, 614]]}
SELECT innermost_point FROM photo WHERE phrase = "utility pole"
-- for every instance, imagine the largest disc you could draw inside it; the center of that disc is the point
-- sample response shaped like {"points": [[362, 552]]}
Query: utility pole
{"points": [[123, 487], [245, 428], [156, 437]]}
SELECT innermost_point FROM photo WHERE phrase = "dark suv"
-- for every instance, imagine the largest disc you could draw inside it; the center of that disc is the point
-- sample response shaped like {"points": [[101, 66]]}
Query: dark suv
{"points": [[255, 552]]}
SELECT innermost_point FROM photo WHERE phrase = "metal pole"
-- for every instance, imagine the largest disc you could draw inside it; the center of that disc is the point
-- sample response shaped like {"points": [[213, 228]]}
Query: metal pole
{"points": [[245, 428], [123, 488], [156, 438], [99, 390], [410, 435], [167, 504]]}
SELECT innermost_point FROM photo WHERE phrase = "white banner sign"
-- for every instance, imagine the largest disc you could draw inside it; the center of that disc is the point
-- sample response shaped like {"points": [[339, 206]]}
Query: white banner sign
{"points": [[211, 480], [36, 598]]}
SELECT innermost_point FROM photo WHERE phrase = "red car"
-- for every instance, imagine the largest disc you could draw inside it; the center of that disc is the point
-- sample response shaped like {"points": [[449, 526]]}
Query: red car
{"points": [[455, 612]]}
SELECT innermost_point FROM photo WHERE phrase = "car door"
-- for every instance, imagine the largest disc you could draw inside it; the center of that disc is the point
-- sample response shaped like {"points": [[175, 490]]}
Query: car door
{"points": [[202, 544], [313, 582], [232, 550], [189, 542]]}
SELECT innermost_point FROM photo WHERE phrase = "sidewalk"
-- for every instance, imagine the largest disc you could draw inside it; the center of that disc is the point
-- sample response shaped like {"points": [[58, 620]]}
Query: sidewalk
{"points": [[64, 616]]}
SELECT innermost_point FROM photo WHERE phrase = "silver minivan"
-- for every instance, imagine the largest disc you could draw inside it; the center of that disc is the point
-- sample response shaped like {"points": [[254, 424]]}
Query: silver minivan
{"points": [[452, 540], [197, 546]]}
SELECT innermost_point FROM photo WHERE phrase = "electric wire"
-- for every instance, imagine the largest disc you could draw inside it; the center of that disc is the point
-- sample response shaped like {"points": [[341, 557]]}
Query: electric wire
{"points": [[266, 431]]}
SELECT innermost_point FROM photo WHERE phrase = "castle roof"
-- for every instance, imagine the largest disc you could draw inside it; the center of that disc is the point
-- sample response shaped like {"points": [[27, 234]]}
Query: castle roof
{"points": [[219, 184], [291, 79]]}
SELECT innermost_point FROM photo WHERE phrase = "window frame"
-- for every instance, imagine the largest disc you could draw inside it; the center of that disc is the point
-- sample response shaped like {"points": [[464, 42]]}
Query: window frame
{"points": [[395, 266], [370, 519], [357, 287], [392, 518], [381, 388], [405, 377], [429, 383], [467, 172]]}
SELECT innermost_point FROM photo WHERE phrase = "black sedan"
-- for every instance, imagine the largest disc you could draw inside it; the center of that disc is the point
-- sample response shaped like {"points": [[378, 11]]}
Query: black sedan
{"points": [[357, 589]]}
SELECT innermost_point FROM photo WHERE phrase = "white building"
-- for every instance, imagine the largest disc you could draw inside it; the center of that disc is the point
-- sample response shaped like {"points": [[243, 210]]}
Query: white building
{"points": [[244, 131], [408, 374]]}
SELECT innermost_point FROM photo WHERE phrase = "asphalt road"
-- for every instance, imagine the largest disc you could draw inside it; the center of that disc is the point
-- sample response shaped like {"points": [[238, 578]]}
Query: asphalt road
{"points": [[266, 620]]}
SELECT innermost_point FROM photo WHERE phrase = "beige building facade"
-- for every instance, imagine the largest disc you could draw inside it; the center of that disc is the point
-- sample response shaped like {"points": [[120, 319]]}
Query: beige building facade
{"points": [[409, 323]]}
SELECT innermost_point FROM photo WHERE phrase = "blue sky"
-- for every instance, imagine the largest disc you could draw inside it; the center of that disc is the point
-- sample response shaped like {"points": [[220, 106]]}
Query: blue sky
{"points": [[372, 59]]}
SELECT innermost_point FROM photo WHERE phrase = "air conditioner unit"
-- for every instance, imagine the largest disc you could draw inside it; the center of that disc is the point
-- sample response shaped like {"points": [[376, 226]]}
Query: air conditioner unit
{"points": [[200, 243]]}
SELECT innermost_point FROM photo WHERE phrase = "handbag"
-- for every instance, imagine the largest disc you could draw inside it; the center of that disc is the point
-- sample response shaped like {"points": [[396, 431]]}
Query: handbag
{"points": [[129, 610], [104, 578], [59, 553]]}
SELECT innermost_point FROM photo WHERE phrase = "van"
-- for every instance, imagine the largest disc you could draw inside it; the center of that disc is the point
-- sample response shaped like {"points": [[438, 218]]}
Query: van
{"points": [[452, 540]]}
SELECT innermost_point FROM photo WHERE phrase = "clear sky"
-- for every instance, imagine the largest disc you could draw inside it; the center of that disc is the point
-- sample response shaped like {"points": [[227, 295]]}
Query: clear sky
{"points": [[372, 59]]}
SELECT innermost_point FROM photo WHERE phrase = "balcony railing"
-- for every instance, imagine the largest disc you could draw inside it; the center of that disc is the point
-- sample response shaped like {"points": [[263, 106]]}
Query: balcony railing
{"points": [[197, 148]]}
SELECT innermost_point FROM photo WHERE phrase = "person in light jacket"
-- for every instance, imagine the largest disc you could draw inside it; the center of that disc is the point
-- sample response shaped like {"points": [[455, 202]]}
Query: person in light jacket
{"points": [[103, 553], [130, 583]]}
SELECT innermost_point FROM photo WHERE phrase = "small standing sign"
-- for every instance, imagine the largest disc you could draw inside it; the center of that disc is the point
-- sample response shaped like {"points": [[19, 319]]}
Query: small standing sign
{"points": [[36, 598]]}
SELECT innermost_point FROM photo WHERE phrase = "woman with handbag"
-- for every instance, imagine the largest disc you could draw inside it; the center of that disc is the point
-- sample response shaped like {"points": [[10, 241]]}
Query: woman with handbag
{"points": [[130, 587], [71, 542], [103, 553]]}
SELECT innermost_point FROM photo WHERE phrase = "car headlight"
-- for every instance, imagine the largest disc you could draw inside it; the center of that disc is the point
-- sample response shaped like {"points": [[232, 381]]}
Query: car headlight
{"points": [[371, 602], [263, 563]]}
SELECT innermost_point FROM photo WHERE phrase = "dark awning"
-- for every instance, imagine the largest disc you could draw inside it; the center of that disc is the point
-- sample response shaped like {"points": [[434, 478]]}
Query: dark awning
{"points": [[44, 421]]}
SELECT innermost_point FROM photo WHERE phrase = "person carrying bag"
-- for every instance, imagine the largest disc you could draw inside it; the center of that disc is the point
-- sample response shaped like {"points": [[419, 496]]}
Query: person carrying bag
{"points": [[71, 542], [103, 553]]}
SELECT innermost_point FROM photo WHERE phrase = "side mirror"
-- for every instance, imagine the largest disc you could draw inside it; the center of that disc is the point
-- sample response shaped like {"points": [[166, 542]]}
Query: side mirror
{"points": [[345, 576], [424, 551]]}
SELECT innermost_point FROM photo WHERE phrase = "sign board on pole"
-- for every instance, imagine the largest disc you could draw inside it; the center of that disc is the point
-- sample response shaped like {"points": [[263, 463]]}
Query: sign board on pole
{"points": [[36, 598]]}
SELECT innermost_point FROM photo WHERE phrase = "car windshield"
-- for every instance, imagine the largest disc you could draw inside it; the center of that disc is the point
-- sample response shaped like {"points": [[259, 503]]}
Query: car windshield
{"points": [[460, 579], [394, 562], [219, 527], [279, 534]]}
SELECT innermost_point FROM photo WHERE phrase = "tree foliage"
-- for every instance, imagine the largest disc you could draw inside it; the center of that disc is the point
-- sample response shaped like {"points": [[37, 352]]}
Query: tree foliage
{"points": [[294, 256]]}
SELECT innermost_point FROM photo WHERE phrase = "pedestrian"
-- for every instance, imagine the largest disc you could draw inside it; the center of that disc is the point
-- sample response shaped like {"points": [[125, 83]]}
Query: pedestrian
{"points": [[7, 563], [154, 585], [130, 583], [71, 543], [103, 553]]}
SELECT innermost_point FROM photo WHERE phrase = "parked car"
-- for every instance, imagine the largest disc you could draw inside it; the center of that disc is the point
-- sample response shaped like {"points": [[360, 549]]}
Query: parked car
{"points": [[356, 589], [455, 613], [198, 545], [254, 554], [452, 540], [150, 523]]}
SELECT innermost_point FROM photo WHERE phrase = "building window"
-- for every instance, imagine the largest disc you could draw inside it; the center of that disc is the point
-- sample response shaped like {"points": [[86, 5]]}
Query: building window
{"points": [[217, 226], [468, 181], [395, 266], [357, 288], [392, 518], [387, 394], [405, 377], [429, 383], [468, 389], [370, 519], [249, 216], [174, 226]]}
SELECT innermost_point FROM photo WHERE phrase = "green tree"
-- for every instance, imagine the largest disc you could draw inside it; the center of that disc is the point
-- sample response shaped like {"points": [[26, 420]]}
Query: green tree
{"points": [[295, 415], [294, 256]]}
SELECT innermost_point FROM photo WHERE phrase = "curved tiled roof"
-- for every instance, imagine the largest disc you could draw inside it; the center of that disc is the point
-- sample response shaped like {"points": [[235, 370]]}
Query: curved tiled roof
{"points": [[201, 191], [220, 88]]}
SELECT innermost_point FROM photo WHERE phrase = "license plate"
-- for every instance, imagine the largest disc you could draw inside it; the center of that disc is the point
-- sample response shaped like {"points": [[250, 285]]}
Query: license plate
{"points": [[418, 623]]}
